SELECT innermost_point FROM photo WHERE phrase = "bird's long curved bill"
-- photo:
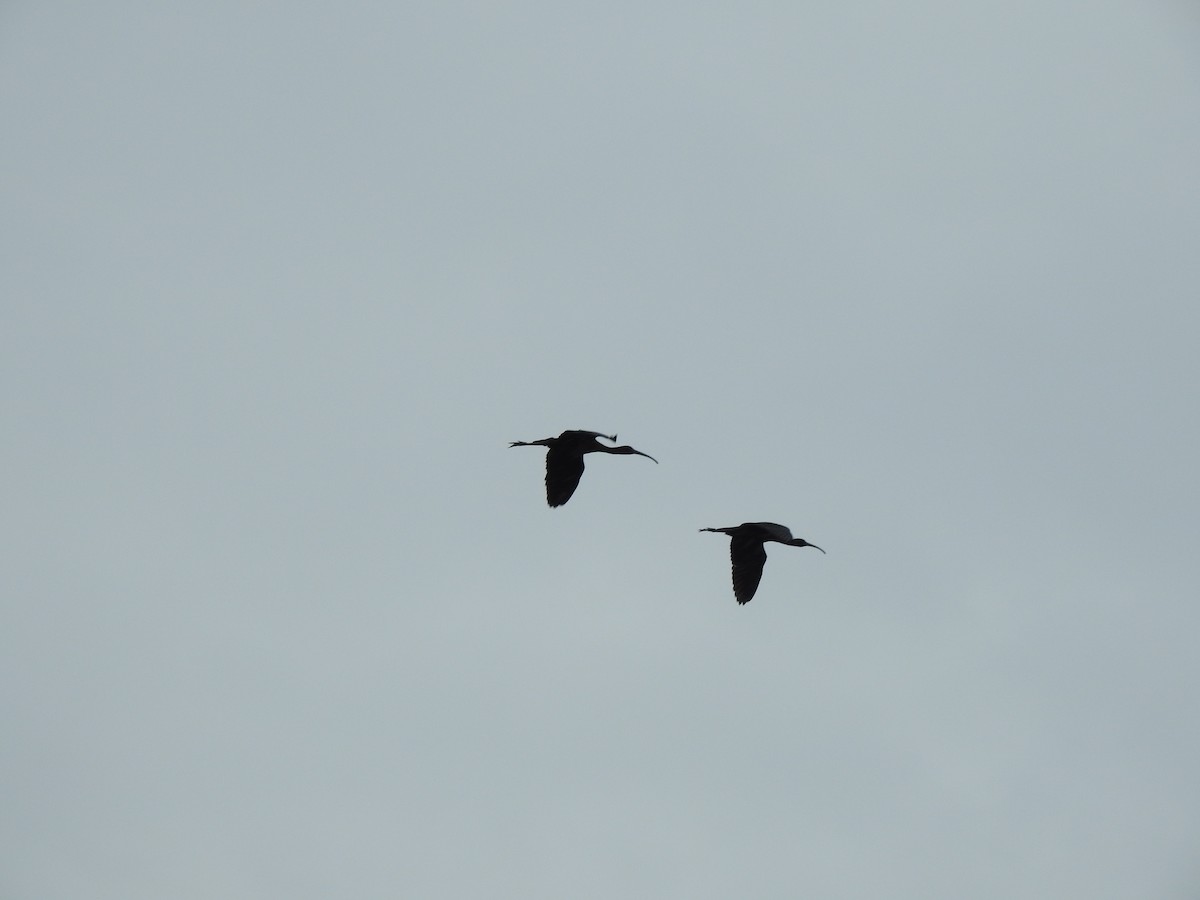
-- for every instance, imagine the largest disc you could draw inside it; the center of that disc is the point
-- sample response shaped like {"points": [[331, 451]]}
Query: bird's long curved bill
{"points": [[647, 455], [815, 547]]}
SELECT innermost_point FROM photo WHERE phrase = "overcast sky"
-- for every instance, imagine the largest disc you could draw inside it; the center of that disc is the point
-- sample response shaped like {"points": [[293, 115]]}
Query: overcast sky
{"points": [[282, 615]]}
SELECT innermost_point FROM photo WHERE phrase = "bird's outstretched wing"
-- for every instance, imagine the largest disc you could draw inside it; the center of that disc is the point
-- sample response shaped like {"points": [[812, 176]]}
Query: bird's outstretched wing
{"points": [[563, 471], [748, 556]]}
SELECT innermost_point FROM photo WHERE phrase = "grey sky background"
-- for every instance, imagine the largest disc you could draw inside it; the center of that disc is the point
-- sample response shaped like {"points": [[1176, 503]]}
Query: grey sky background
{"points": [[282, 614]]}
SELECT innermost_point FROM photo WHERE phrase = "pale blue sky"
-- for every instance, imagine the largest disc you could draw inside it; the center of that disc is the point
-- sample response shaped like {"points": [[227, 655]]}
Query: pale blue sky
{"points": [[281, 613]]}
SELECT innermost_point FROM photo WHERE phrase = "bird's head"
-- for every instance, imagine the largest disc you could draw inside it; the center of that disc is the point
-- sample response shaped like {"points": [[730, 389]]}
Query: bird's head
{"points": [[801, 542], [626, 450]]}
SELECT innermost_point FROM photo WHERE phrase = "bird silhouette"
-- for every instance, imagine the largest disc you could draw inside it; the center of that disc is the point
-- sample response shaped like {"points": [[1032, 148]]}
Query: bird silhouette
{"points": [[748, 552], [564, 459]]}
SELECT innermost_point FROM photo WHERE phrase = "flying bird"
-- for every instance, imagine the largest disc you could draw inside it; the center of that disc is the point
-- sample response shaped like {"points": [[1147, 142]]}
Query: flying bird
{"points": [[748, 552], [564, 459]]}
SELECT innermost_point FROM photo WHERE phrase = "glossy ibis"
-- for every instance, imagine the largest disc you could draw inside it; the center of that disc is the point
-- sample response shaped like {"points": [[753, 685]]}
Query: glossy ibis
{"points": [[564, 459], [748, 552]]}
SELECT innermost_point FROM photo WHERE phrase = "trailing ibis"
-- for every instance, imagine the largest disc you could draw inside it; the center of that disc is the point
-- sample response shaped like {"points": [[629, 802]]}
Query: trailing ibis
{"points": [[564, 459]]}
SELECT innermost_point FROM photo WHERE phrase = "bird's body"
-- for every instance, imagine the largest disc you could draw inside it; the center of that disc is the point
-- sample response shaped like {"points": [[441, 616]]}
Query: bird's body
{"points": [[564, 460], [748, 552]]}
